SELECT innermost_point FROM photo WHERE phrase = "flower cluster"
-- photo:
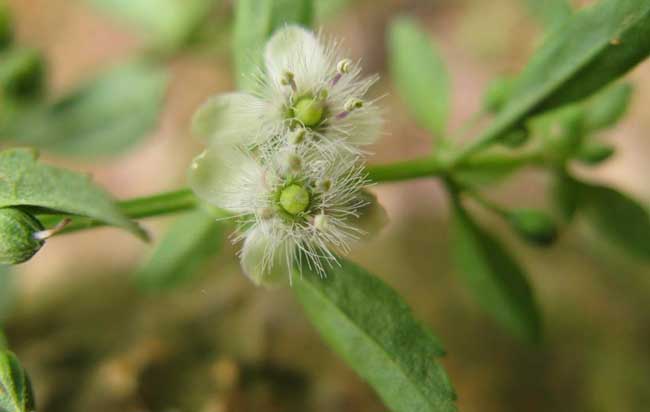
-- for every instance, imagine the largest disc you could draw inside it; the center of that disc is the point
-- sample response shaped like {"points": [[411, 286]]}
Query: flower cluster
{"points": [[286, 160]]}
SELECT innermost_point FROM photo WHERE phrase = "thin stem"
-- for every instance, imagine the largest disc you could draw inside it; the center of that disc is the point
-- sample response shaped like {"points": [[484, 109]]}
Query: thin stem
{"points": [[184, 199]]}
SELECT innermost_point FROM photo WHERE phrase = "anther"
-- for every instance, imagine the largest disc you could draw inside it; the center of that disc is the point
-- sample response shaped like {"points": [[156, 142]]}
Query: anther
{"points": [[288, 79], [297, 136], [321, 222], [265, 213], [342, 68], [324, 185], [349, 106]]}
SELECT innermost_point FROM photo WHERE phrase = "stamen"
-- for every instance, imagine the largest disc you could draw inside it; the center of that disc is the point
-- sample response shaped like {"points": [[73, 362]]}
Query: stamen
{"points": [[342, 67], [321, 222], [265, 213], [288, 79], [351, 105], [297, 136]]}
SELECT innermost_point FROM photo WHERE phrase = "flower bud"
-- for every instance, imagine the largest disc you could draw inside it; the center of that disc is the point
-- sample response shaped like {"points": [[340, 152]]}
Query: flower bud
{"points": [[533, 226], [18, 242], [516, 138], [6, 26], [22, 74], [497, 94], [595, 153]]}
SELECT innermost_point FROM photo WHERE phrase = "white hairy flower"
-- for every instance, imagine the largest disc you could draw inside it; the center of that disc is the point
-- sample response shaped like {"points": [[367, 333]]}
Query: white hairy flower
{"points": [[294, 206], [307, 92]]}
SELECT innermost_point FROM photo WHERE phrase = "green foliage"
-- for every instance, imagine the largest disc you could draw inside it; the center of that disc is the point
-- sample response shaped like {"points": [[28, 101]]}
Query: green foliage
{"points": [[594, 153], [191, 239], [596, 46], [103, 117], [550, 12], [6, 26], [497, 93], [498, 282], [618, 217], [166, 24], [17, 241], [565, 192], [7, 297], [28, 183], [16, 393], [255, 20], [419, 74], [368, 324]]}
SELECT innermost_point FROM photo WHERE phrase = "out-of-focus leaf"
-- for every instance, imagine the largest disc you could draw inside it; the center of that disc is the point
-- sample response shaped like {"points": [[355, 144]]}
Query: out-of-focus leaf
{"points": [[255, 20], [497, 281], [106, 116], [550, 12], [165, 23], [7, 294], [597, 45], [565, 191], [618, 217], [28, 183], [191, 239], [419, 74], [16, 393], [370, 326], [608, 107]]}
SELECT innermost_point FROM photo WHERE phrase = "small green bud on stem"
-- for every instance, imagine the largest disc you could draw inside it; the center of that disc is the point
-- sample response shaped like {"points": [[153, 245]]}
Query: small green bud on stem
{"points": [[533, 226], [18, 236], [22, 74], [595, 153]]}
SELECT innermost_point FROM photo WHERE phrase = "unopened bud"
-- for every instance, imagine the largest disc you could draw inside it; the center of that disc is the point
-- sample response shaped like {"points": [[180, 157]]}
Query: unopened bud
{"points": [[324, 185], [595, 153], [22, 74], [18, 236], [533, 226]]}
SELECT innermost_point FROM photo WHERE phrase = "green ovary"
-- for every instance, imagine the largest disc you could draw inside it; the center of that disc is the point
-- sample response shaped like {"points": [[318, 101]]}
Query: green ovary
{"points": [[294, 199], [309, 111]]}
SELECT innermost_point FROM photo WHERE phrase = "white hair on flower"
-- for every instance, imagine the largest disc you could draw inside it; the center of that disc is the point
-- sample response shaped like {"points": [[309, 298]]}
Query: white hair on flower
{"points": [[306, 84], [293, 205]]}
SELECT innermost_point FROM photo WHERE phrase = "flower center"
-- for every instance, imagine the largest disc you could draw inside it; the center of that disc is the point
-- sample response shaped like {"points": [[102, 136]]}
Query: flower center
{"points": [[294, 199], [309, 111]]}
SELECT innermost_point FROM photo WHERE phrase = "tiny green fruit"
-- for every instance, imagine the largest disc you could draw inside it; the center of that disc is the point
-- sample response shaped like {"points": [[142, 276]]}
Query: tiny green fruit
{"points": [[17, 241]]}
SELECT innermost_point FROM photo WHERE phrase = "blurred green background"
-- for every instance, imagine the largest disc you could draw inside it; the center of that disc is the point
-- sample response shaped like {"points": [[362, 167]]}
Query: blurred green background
{"points": [[93, 341]]}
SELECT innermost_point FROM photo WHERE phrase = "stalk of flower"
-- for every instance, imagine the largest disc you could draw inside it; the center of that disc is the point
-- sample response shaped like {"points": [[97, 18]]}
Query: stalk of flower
{"points": [[294, 206], [306, 88]]}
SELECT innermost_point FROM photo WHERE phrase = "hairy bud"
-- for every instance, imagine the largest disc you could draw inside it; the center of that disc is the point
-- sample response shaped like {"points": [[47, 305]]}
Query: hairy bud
{"points": [[18, 236]]}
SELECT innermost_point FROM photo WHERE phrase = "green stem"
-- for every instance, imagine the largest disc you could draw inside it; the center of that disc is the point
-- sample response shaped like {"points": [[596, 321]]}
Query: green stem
{"points": [[183, 199]]}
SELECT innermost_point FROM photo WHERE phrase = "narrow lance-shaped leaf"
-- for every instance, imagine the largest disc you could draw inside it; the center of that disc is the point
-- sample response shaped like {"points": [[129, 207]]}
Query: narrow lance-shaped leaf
{"points": [[608, 107], [596, 46], [165, 23], [106, 116], [618, 217], [419, 74], [370, 326], [494, 277], [28, 183], [255, 20], [190, 240], [16, 393]]}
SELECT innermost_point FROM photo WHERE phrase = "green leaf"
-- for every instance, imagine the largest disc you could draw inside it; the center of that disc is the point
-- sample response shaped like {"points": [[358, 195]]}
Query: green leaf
{"points": [[419, 74], [370, 326], [618, 217], [550, 12], [255, 20], [596, 46], [104, 117], [191, 239], [16, 393], [608, 107], [7, 296], [166, 23], [565, 191], [496, 279], [26, 182]]}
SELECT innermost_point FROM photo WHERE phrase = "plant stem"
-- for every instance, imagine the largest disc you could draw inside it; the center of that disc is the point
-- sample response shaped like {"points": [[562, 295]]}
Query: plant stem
{"points": [[183, 199]]}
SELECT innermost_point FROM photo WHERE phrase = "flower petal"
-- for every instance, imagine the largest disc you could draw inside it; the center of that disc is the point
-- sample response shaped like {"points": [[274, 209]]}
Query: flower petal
{"points": [[300, 52], [264, 260], [227, 178], [230, 118]]}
